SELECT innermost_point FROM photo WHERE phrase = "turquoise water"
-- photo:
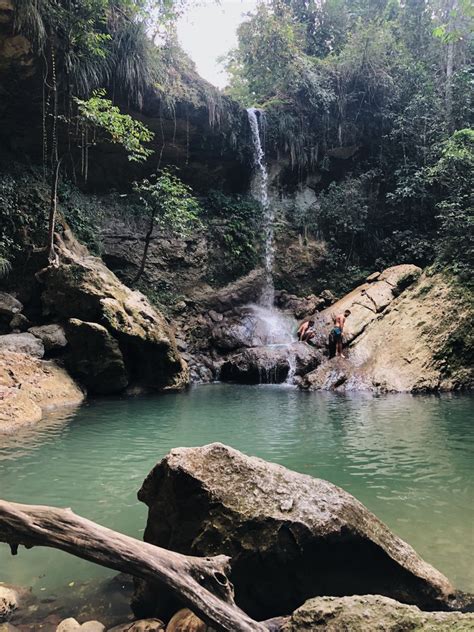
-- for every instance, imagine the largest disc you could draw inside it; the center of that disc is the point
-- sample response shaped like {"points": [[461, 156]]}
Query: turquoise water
{"points": [[408, 458]]}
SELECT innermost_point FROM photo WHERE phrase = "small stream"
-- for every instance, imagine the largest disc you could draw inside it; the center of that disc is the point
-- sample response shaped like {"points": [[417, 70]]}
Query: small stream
{"points": [[408, 458]]}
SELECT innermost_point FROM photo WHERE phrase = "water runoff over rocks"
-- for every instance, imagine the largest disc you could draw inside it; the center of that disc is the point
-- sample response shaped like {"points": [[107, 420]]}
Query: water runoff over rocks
{"points": [[276, 327]]}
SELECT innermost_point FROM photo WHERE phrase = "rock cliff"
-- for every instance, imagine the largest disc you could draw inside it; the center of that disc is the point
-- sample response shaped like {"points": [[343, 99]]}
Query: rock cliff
{"points": [[420, 341]]}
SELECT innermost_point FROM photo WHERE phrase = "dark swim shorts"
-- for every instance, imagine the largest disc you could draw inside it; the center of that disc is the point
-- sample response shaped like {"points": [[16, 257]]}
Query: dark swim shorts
{"points": [[337, 333]]}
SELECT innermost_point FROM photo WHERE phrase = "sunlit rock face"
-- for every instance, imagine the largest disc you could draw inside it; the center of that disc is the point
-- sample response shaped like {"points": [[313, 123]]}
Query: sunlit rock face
{"points": [[115, 333], [290, 536], [29, 386], [361, 613], [417, 341]]}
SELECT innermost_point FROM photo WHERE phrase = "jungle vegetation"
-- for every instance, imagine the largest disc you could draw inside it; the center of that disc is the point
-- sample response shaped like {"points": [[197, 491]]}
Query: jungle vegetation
{"points": [[390, 82]]}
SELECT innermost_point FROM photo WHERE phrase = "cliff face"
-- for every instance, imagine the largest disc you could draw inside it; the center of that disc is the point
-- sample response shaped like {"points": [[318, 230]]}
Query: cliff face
{"points": [[421, 342]]}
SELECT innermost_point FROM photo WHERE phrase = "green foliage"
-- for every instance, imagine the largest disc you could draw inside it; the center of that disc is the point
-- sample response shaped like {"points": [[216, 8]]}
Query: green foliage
{"points": [[99, 114], [83, 214], [168, 202], [453, 174], [22, 218], [234, 222], [388, 80]]}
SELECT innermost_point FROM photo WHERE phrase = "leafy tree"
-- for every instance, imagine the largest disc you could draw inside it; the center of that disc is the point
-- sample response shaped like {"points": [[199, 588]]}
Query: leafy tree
{"points": [[453, 174], [168, 203], [98, 120], [384, 81]]}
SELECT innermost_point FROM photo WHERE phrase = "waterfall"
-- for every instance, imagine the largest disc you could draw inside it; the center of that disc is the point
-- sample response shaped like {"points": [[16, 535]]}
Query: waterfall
{"points": [[259, 191]]}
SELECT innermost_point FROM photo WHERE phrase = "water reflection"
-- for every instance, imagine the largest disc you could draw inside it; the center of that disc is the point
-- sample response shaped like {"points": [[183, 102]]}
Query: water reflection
{"points": [[409, 459]]}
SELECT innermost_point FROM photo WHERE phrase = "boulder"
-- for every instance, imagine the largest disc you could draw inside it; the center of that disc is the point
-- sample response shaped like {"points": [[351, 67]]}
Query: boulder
{"points": [[95, 358], [68, 625], [82, 287], [52, 336], [186, 621], [8, 603], [143, 625], [363, 613], [367, 301], [290, 536], [72, 625], [19, 323], [8, 627], [270, 364], [22, 343], [29, 386], [247, 289], [420, 342], [9, 305], [92, 626]]}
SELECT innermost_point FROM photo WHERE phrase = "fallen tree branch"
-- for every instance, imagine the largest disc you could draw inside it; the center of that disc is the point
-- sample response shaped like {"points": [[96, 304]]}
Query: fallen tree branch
{"points": [[201, 583]]}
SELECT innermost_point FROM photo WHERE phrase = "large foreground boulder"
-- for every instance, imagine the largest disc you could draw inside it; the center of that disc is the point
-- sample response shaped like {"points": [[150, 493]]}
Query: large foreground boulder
{"points": [[81, 287], [270, 365], [372, 613], [290, 536]]}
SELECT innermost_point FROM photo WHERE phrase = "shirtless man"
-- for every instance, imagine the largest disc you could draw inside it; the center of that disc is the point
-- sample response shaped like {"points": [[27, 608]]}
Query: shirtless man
{"points": [[338, 329], [305, 331]]}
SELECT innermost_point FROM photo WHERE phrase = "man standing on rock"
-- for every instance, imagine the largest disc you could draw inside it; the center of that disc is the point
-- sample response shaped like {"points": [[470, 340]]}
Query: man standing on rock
{"points": [[338, 330]]}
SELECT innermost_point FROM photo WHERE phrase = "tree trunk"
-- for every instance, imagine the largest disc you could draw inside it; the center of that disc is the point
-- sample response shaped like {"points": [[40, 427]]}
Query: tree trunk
{"points": [[52, 256], [200, 583], [149, 232]]}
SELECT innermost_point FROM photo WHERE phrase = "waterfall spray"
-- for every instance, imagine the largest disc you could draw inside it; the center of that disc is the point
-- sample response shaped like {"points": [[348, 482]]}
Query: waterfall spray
{"points": [[260, 192]]}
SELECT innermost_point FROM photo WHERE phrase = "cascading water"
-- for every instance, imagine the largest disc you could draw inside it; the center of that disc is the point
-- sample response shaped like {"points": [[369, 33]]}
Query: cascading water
{"points": [[275, 329], [259, 190]]}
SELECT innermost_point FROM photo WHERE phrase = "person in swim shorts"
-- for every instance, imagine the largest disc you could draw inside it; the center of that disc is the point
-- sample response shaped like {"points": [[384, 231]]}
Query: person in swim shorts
{"points": [[337, 331]]}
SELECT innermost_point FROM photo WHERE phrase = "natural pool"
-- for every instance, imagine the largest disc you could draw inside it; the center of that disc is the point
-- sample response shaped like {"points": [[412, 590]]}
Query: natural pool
{"points": [[408, 458]]}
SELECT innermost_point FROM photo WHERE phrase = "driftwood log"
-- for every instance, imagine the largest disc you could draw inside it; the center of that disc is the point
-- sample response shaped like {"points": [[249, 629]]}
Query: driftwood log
{"points": [[201, 583]]}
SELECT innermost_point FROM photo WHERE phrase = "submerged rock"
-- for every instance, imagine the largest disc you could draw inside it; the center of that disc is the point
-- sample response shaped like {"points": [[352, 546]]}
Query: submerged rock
{"points": [[364, 613], [270, 365], [8, 603], [290, 536]]}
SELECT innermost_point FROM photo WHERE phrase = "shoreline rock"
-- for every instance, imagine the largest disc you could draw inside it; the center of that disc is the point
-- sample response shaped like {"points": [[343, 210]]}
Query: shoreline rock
{"points": [[290, 536], [364, 613], [29, 386]]}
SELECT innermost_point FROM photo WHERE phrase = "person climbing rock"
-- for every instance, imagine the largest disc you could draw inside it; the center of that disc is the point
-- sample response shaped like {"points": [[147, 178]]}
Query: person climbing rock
{"points": [[305, 331], [337, 332]]}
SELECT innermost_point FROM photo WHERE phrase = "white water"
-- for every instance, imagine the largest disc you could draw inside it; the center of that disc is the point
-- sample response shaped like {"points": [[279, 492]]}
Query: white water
{"points": [[272, 326], [259, 189], [276, 327]]}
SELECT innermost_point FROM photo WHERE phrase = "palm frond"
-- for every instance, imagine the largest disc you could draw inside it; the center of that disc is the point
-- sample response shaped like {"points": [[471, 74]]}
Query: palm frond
{"points": [[5, 267]]}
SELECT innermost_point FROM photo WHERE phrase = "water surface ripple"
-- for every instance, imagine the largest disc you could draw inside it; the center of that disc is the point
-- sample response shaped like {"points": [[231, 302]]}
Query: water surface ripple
{"points": [[408, 458]]}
